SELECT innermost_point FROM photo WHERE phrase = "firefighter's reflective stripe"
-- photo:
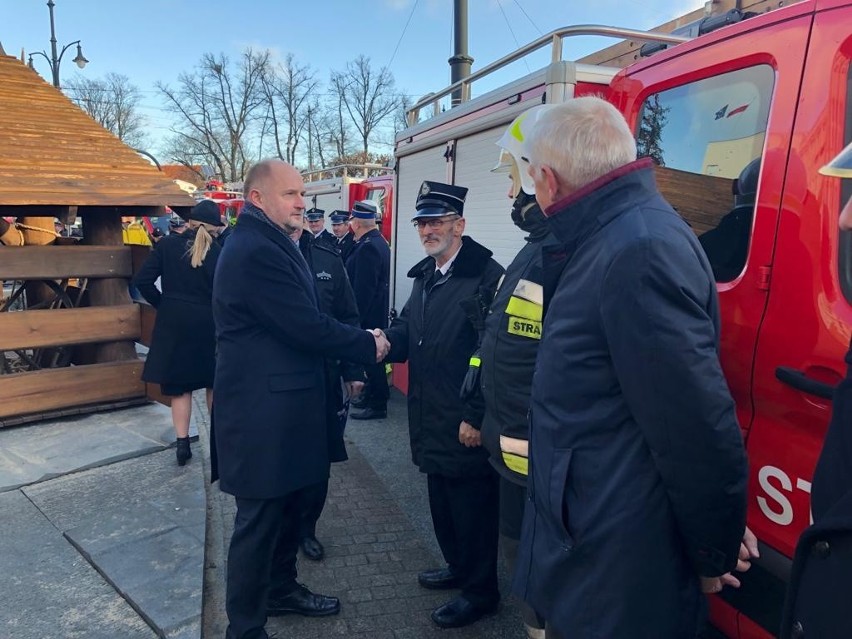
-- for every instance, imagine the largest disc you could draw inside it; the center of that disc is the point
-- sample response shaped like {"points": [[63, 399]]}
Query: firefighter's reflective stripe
{"points": [[522, 308], [475, 362], [515, 454]]}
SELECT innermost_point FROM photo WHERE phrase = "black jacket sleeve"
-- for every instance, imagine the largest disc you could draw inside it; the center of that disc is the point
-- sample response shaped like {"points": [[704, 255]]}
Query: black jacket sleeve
{"points": [[346, 311], [397, 335], [474, 402], [145, 279], [658, 312]]}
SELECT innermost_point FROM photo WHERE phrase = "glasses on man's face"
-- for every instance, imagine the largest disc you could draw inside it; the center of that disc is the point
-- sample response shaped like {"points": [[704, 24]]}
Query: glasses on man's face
{"points": [[433, 223]]}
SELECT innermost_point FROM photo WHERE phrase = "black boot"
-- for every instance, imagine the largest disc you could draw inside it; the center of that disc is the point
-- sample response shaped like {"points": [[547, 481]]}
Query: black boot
{"points": [[182, 450]]}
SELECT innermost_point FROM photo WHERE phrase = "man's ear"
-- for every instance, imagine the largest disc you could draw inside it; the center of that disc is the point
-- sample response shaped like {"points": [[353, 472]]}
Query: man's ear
{"points": [[256, 198], [461, 222], [551, 182]]}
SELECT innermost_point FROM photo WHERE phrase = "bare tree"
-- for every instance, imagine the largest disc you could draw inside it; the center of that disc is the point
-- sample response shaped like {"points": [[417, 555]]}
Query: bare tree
{"points": [[217, 107], [337, 122], [113, 102], [367, 95], [287, 87], [400, 121]]}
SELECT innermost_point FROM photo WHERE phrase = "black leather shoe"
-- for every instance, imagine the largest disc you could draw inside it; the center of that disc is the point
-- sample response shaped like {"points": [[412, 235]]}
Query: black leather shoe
{"points": [[182, 450], [312, 548], [438, 579], [459, 612], [370, 413], [303, 602]]}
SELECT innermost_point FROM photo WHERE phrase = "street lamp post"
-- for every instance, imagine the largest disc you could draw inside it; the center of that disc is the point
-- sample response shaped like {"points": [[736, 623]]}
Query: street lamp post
{"points": [[54, 61]]}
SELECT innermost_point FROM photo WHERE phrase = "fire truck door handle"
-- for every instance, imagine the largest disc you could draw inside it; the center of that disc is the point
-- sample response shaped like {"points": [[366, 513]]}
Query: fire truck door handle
{"points": [[798, 380]]}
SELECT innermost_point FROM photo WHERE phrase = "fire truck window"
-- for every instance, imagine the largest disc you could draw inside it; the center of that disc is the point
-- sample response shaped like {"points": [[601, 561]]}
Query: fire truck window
{"points": [[706, 139], [378, 196], [845, 253]]}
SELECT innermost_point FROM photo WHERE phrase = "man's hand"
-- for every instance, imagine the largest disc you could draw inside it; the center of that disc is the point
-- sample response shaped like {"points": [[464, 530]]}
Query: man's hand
{"points": [[469, 436], [748, 551], [354, 389], [382, 344]]}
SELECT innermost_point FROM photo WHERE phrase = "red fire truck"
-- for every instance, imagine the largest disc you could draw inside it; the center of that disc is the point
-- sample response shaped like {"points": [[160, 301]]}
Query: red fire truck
{"points": [[761, 102], [339, 187], [229, 200]]}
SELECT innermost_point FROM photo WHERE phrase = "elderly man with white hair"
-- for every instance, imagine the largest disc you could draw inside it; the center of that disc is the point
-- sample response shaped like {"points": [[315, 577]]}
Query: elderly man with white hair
{"points": [[637, 479]]}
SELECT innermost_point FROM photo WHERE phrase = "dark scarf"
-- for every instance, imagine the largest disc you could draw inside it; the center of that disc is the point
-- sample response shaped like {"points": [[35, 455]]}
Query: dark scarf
{"points": [[527, 216]]}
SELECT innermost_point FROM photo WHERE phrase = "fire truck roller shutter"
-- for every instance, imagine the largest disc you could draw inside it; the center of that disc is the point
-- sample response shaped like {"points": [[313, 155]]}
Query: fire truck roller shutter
{"points": [[413, 169], [487, 208]]}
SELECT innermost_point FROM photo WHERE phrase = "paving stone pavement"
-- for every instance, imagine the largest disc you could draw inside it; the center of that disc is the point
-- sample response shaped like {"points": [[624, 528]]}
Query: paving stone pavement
{"points": [[374, 551]]}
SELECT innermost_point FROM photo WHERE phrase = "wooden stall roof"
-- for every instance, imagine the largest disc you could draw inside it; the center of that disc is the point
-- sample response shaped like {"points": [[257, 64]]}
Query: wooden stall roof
{"points": [[53, 154]]}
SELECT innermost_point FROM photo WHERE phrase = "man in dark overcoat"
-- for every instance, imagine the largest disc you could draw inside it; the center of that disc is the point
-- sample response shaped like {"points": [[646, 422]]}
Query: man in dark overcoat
{"points": [[270, 432], [337, 300], [437, 332], [820, 587], [344, 235], [369, 271], [637, 480]]}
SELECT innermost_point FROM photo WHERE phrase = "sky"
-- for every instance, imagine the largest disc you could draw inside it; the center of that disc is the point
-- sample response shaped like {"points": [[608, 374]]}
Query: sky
{"points": [[156, 40]]}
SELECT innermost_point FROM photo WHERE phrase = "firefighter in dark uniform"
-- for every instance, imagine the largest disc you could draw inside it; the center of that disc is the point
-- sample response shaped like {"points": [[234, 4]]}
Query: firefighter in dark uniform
{"points": [[341, 231], [368, 267], [437, 332], [509, 347], [820, 588], [316, 224], [337, 300]]}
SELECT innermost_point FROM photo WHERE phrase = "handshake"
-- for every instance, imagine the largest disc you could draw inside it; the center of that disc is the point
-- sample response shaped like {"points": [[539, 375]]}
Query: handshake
{"points": [[382, 343]]}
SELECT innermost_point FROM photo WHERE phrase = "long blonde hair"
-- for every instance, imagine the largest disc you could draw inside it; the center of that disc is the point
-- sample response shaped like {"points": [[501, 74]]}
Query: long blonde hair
{"points": [[201, 246]]}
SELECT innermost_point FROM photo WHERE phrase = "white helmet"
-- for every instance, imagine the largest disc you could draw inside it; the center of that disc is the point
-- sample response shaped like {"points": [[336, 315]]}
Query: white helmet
{"points": [[514, 145]]}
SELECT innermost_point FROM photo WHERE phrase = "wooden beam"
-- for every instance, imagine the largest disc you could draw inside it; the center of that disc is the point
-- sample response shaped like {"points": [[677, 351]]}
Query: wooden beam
{"points": [[36, 329], [59, 262], [71, 212], [56, 388], [147, 316]]}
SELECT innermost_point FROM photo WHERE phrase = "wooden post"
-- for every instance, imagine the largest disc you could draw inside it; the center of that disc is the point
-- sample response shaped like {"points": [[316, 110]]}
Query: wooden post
{"points": [[103, 227]]}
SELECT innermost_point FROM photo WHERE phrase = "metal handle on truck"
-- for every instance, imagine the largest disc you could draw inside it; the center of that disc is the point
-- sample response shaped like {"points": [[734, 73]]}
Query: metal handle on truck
{"points": [[798, 380]]}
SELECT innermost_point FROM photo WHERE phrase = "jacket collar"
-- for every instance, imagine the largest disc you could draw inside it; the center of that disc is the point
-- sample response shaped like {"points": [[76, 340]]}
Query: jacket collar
{"points": [[576, 216], [470, 261]]}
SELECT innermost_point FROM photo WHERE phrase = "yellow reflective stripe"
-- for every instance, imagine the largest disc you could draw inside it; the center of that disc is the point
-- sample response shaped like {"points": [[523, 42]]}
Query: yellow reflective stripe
{"points": [[524, 327], [475, 362], [530, 291], [517, 463], [523, 308]]}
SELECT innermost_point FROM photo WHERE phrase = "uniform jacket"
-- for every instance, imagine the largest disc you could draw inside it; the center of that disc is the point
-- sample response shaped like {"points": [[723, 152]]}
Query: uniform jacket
{"points": [[337, 300], [638, 473], [326, 238], [434, 333], [183, 344], [269, 403], [369, 269], [820, 589], [345, 245], [508, 353]]}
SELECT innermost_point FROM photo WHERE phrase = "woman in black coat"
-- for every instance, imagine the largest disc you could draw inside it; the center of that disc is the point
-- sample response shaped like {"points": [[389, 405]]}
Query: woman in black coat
{"points": [[183, 347]]}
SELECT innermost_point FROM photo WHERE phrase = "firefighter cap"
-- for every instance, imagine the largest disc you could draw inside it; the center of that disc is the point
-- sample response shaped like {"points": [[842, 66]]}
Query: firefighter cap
{"points": [[840, 166], [314, 215], [514, 147], [365, 210], [436, 200], [339, 217]]}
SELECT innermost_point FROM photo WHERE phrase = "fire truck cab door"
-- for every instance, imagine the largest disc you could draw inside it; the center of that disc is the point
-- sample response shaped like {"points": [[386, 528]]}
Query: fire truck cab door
{"points": [[718, 120]]}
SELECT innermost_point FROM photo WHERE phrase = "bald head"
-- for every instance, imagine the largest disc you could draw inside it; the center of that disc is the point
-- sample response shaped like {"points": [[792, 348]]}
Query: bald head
{"points": [[277, 189]]}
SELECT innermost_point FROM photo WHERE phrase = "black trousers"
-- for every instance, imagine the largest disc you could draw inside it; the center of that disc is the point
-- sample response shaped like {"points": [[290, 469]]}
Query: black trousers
{"points": [[261, 561], [377, 391], [311, 504], [464, 516]]}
